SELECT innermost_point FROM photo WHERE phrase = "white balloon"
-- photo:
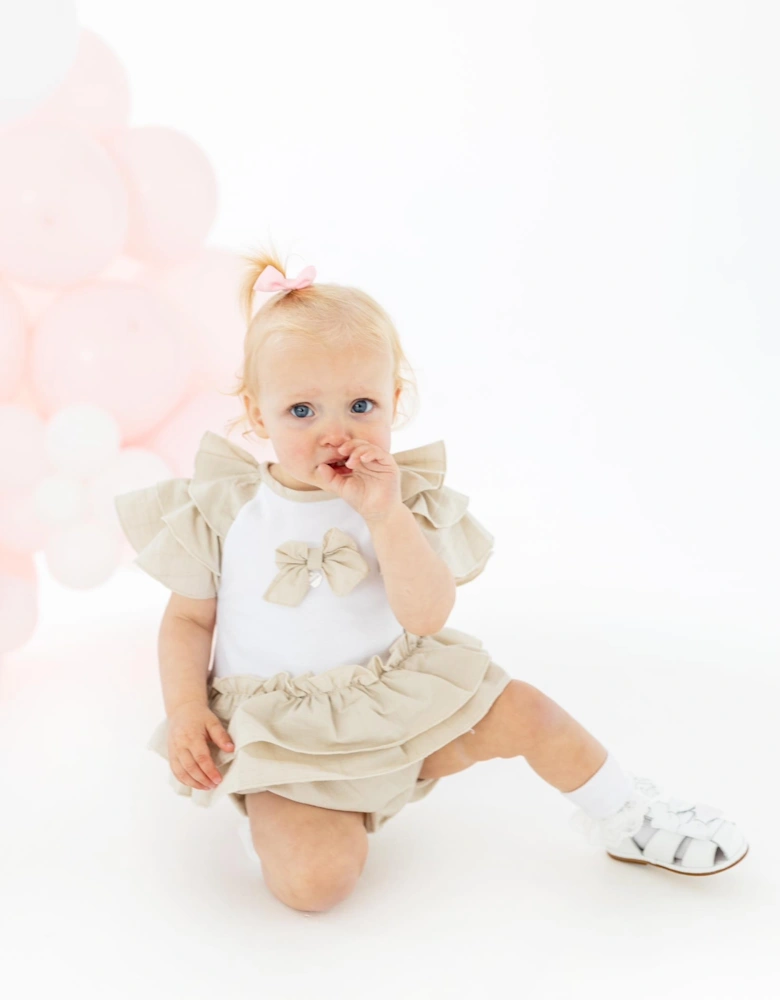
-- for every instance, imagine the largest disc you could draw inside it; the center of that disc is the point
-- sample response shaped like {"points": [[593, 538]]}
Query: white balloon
{"points": [[38, 44], [22, 449], [84, 554], [133, 469], [58, 499], [82, 439]]}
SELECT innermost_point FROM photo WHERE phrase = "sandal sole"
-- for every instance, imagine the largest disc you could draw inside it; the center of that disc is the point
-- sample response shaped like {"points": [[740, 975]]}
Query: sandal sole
{"points": [[678, 871]]}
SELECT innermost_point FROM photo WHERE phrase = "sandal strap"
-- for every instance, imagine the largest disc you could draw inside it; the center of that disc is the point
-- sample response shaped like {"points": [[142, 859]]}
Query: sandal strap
{"points": [[700, 850], [662, 847]]}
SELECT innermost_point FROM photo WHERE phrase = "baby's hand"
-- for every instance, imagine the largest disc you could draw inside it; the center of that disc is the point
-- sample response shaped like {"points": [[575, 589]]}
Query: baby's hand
{"points": [[189, 726], [373, 488]]}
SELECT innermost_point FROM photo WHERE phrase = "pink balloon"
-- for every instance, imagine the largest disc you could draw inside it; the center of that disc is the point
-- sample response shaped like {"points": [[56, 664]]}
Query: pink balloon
{"points": [[124, 268], [95, 94], [178, 438], [173, 192], [34, 299], [13, 343], [21, 530], [116, 345], [18, 564], [23, 460], [18, 600], [205, 289], [63, 205]]}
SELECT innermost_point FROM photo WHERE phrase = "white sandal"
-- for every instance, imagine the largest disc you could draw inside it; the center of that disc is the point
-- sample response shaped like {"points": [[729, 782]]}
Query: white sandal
{"points": [[686, 837]]}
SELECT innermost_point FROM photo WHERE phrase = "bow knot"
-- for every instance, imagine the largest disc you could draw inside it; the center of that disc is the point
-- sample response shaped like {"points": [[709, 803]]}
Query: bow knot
{"points": [[271, 279], [691, 819], [302, 566]]}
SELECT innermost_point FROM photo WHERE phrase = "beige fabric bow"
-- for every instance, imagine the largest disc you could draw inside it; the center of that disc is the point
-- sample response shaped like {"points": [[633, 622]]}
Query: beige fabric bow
{"points": [[302, 566]]}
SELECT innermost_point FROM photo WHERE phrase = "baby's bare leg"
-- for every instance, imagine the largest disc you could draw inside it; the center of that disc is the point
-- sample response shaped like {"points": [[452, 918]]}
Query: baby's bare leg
{"points": [[523, 721], [311, 857]]}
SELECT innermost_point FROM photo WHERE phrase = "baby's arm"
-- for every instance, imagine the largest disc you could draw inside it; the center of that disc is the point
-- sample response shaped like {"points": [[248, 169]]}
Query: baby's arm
{"points": [[419, 583], [184, 649]]}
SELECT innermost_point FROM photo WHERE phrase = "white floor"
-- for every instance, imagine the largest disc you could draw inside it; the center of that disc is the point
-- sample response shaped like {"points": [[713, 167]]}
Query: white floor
{"points": [[113, 886]]}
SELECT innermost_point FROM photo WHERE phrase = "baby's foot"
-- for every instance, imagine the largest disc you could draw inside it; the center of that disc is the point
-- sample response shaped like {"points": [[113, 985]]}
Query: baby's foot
{"points": [[677, 834]]}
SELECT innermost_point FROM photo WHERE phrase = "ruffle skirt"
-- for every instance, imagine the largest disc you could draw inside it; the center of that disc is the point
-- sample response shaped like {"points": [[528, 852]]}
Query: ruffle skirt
{"points": [[353, 737]]}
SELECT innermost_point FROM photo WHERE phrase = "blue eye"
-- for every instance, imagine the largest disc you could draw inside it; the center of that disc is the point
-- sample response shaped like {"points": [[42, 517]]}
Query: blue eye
{"points": [[305, 406]]}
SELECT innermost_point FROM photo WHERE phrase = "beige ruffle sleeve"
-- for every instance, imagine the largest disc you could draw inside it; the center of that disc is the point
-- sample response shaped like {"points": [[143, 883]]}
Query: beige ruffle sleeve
{"points": [[177, 526], [442, 513]]}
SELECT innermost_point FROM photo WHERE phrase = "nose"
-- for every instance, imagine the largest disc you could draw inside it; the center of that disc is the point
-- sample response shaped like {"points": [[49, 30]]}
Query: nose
{"points": [[335, 438]]}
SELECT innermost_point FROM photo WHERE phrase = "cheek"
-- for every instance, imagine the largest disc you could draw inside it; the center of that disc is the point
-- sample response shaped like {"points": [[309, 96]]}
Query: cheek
{"points": [[383, 440], [299, 454]]}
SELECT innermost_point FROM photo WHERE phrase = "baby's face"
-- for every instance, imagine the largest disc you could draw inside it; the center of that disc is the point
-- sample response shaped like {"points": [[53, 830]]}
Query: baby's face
{"points": [[311, 399]]}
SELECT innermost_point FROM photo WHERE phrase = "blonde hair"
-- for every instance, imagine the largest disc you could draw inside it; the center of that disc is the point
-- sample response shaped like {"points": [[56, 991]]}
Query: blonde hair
{"points": [[328, 314]]}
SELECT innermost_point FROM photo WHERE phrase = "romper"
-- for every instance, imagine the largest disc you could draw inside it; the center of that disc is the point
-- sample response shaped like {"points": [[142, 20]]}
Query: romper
{"points": [[327, 698]]}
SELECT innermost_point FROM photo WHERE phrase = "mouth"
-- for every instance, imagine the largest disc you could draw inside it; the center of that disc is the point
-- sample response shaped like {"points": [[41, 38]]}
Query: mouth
{"points": [[340, 466]]}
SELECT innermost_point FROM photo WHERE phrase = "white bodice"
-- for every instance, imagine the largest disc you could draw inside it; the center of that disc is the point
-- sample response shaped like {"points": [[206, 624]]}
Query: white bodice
{"points": [[257, 636]]}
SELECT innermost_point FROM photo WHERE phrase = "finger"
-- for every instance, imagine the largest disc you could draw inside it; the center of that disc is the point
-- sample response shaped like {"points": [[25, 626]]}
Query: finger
{"points": [[357, 452], [348, 446], [196, 765], [373, 456], [185, 778], [331, 480], [220, 736], [205, 761]]}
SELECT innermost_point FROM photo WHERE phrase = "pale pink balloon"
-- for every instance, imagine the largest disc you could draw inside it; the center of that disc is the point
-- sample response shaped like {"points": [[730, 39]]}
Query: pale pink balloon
{"points": [[26, 396], [205, 289], [34, 299], [63, 205], [178, 438], [18, 564], [95, 95], [173, 192], [117, 345], [18, 599], [124, 268], [13, 342], [23, 458], [21, 529]]}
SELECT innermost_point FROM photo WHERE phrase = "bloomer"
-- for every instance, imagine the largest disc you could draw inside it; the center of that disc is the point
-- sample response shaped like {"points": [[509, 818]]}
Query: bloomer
{"points": [[353, 737]]}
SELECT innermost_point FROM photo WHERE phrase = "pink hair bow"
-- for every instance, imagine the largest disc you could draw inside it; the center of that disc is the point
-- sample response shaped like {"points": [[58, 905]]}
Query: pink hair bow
{"points": [[271, 279]]}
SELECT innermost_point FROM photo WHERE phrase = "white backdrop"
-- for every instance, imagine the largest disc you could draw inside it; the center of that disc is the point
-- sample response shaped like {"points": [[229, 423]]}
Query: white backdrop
{"points": [[570, 210]]}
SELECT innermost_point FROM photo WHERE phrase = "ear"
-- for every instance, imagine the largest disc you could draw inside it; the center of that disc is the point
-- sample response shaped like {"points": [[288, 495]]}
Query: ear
{"points": [[255, 416], [396, 397]]}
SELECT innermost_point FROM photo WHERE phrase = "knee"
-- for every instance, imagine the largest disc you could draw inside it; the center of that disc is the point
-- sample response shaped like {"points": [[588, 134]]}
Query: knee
{"points": [[524, 715], [312, 887]]}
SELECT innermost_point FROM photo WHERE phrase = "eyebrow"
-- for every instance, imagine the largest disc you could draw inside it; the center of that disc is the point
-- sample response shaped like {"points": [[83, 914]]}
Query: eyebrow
{"points": [[313, 392]]}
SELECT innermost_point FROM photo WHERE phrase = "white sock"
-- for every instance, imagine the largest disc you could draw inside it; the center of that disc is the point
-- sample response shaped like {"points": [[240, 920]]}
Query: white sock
{"points": [[605, 793]]}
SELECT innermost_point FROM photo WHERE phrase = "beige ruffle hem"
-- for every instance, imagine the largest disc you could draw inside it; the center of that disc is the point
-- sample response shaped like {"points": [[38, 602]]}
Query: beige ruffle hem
{"points": [[353, 737]]}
